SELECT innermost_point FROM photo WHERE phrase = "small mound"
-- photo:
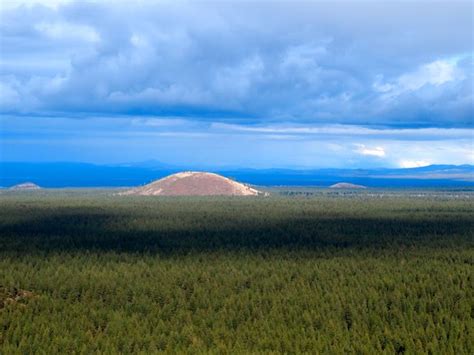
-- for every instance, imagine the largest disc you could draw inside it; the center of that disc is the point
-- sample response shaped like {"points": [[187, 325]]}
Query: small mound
{"points": [[346, 185], [192, 183], [25, 186]]}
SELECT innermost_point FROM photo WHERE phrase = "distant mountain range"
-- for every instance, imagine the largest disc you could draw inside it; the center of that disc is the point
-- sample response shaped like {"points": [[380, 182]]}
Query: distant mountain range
{"points": [[92, 175]]}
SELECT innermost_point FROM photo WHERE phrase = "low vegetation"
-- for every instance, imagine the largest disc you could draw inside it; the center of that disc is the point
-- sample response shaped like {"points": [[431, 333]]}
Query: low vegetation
{"points": [[85, 272]]}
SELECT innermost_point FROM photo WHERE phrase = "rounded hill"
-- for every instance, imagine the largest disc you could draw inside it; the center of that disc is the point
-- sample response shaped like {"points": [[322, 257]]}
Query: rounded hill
{"points": [[192, 183], [346, 185], [25, 186]]}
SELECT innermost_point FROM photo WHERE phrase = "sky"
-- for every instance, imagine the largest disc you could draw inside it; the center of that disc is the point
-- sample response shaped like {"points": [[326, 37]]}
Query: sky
{"points": [[258, 84]]}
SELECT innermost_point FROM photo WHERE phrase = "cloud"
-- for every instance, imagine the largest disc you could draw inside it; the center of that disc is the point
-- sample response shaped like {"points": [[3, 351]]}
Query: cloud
{"points": [[375, 151], [413, 163], [183, 141], [11, 4], [435, 73], [67, 31], [351, 131], [9, 97], [259, 62], [320, 84]]}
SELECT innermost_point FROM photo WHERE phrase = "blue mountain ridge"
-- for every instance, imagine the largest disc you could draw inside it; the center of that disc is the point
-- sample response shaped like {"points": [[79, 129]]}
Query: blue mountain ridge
{"points": [[71, 174]]}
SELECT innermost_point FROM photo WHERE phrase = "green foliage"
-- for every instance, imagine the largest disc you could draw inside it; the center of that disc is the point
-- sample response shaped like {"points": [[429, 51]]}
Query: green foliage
{"points": [[327, 274]]}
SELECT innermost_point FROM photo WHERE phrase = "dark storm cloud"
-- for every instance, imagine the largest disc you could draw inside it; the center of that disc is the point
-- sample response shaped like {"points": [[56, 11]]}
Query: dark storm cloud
{"points": [[406, 64]]}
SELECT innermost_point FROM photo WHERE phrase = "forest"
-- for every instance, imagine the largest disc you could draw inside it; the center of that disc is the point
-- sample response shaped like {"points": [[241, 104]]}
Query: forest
{"points": [[297, 272]]}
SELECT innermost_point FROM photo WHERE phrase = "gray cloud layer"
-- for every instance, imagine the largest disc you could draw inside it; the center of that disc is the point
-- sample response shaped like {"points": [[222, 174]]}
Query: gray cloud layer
{"points": [[392, 64]]}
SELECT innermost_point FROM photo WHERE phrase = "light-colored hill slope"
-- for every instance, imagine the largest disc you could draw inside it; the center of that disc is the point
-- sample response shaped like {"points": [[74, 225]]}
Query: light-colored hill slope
{"points": [[192, 183]]}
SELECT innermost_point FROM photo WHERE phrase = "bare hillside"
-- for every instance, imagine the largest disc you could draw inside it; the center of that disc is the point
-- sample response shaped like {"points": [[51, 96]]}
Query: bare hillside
{"points": [[346, 185], [25, 186], [194, 184]]}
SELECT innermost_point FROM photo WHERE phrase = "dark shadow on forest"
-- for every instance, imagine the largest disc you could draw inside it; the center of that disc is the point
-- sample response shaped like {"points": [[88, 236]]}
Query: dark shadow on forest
{"points": [[99, 231]]}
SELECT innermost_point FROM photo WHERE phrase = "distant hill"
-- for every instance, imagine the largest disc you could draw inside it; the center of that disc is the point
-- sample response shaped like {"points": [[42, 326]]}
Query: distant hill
{"points": [[69, 174], [92, 175], [429, 176], [191, 183], [346, 185], [25, 186]]}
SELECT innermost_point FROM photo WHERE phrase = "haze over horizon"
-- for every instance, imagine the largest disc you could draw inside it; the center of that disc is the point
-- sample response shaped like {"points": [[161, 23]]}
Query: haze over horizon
{"points": [[341, 84]]}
